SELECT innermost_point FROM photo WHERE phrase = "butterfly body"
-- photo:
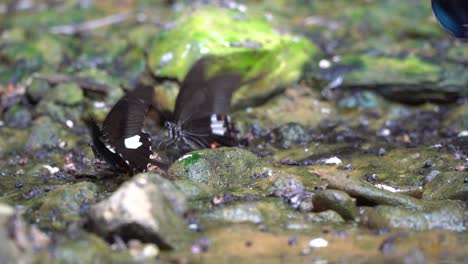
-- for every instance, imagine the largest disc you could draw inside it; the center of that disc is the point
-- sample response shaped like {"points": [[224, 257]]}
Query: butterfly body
{"points": [[201, 116], [216, 130]]}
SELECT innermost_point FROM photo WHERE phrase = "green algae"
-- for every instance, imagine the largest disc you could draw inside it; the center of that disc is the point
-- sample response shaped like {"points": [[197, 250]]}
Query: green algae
{"points": [[382, 70], [219, 33]]}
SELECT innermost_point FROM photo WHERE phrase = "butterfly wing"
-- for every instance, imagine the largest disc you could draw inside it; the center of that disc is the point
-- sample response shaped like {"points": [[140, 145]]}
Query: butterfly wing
{"points": [[122, 128], [201, 97], [136, 151], [101, 151], [210, 132], [127, 116]]}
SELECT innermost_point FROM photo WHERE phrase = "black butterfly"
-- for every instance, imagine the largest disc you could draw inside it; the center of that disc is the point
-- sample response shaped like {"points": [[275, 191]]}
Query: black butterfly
{"points": [[200, 120], [121, 141], [201, 116]]}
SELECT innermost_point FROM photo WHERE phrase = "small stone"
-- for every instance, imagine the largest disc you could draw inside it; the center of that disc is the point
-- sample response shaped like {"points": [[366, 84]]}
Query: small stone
{"points": [[427, 164], [17, 117], [19, 184], [432, 174], [67, 94], [292, 241], [333, 161], [381, 152], [318, 243], [291, 134], [38, 89], [345, 167]]}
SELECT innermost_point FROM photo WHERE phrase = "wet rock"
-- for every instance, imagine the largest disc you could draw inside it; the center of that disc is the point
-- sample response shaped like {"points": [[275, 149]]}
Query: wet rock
{"points": [[224, 34], [48, 134], [431, 176], [370, 193], [238, 213], [176, 197], [444, 216], [287, 187], [17, 116], [144, 208], [86, 248], [409, 79], [328, 216], [17, 241], [59, 208], [67, 94], [291, 134], [360, 100], [448, 185], [9, 251], [335, 200], [38, 89], [60, 113], [195, 190], [221, 168], [293, 191]]}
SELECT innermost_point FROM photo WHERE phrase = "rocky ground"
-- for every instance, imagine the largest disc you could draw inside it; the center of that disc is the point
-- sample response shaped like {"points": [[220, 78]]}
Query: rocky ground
{"points": [[354, 134]]}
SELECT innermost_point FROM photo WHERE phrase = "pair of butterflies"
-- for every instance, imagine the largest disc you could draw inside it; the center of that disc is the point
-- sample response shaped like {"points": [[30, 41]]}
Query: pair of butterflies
{"points": [[200, 120]]}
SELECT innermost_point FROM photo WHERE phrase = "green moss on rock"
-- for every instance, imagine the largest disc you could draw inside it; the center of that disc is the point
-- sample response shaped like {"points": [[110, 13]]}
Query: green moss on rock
{"points": [[222, 168], [246, 43]]}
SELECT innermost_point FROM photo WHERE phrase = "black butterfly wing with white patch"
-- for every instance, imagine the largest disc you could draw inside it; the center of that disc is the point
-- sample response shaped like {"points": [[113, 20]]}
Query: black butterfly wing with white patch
{"points": [[101, 151], [122, 128], [136, 151], [210, 132]]}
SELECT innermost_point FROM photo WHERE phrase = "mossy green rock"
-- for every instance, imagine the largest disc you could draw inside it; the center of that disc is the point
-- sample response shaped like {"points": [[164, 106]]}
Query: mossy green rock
{"points": [[67, 94], [62, 206], [45, 133], [449, 185], [86, 248], [446, 215], [335, 200], [247, 43], [38, 89], [222, 168], [396, 78], [238, 213], [17, 116]]}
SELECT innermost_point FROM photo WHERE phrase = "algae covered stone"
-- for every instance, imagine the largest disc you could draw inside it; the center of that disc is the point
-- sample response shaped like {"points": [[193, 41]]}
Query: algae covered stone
{"points": [[67, 94], [245, 43], [222, 168], [408, 79], [63, 206]]}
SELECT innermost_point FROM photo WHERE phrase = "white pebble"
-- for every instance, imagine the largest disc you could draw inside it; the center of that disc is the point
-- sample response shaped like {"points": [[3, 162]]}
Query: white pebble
{"points": [[318, 243], [463, 133], [324, 64], [69, 123], [51, 169], [333, 160]]}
